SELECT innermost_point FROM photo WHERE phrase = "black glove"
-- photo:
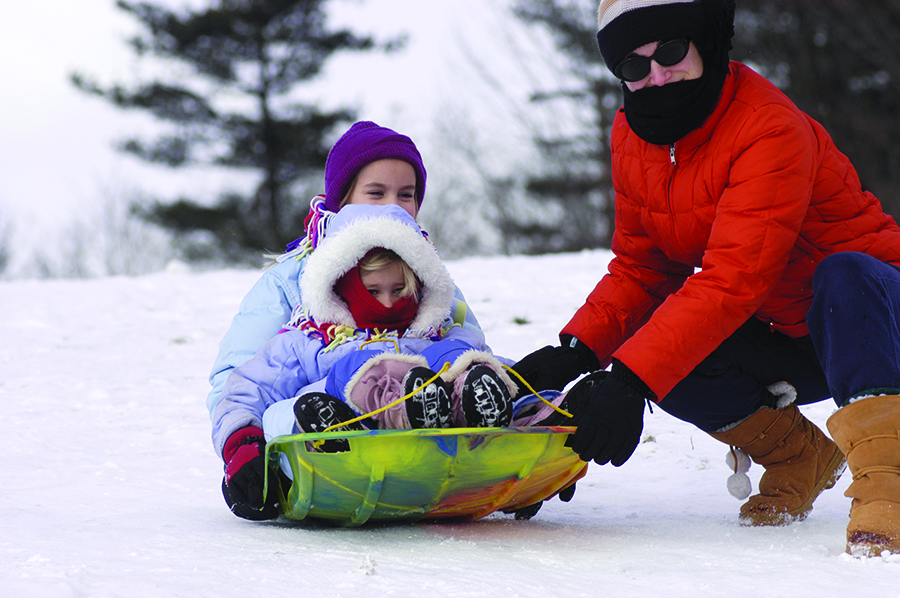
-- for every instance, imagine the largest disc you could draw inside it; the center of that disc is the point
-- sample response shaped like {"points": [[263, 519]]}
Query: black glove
{"points": [[554, 367], [526, 513], [245, 470], [567, 493], [612, 424]]}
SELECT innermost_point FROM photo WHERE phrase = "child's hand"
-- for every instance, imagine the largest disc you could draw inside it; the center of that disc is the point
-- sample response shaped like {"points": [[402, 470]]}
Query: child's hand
{"points": [[245, 470]]}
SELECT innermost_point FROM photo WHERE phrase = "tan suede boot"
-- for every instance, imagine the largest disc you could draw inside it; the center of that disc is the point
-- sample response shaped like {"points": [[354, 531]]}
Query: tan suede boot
{"points": [[868, 431], [800, 461]]}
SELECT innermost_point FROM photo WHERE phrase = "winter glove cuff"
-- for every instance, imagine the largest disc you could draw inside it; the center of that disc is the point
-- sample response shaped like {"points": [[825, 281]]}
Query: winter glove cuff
{"points": [[581, 354], [238, 438], [244, 448], [621, 372], [554, 367]]}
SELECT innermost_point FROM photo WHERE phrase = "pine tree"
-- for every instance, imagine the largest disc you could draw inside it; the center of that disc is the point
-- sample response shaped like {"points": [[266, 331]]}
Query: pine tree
{"points": [[837, 61], [573, 186], [234, 106]]}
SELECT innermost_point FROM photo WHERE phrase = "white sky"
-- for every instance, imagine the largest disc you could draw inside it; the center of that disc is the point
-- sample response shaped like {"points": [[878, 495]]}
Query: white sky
{"points": [[56, 154], [56, 143], [53, 140]]}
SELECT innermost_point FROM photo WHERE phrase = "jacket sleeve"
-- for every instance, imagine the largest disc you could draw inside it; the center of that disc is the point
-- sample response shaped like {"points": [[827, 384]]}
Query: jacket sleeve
{"points": [[281, 368], [265, 309], [640, 277], [758, 217]]}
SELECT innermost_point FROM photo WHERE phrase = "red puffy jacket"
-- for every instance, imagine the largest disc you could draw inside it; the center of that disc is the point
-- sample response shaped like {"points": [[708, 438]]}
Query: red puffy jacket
{"points": [[727, 223]]}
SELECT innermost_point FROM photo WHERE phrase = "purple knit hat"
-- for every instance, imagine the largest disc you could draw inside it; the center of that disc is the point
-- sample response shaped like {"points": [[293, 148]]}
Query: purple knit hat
{"points": [[364, 143]]}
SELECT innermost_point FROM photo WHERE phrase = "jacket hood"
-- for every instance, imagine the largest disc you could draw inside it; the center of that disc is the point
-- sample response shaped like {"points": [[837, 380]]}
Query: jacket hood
{"points": [[351, 234]]}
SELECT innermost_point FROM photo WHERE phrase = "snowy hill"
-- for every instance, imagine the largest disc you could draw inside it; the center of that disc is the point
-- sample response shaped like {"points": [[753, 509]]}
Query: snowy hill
{"points": [[110, 486]]}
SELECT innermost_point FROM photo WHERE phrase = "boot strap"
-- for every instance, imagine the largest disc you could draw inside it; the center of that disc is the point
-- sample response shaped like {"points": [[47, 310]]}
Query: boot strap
{"points": [[795, 417], [875, 469], [894, 436]]}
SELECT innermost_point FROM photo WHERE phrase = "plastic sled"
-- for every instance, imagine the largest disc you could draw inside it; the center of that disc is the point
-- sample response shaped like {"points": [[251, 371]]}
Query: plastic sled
{"points": [[464, 473]]}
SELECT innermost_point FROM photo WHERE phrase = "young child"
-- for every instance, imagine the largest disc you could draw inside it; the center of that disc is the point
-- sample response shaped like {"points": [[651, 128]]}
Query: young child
{"points": [[374, 327], [360, 153]]}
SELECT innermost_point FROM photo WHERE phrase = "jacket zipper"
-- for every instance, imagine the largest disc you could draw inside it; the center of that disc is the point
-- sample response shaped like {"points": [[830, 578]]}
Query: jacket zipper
{"points": [[669, 190], [672, 176]]}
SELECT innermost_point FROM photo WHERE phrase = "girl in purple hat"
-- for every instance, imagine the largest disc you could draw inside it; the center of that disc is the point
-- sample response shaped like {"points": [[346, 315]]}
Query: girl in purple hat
{"points": [[360, 169]]}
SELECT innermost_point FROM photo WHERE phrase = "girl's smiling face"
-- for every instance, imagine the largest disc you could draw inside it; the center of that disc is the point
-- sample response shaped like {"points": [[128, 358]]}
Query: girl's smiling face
{"points": [[384, 182]]}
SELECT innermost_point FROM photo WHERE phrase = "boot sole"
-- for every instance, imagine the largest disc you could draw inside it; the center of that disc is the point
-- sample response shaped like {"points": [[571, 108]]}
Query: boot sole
{"points": [[485, 399], [430, 407], [316, 412], [836, 467], [871, 544]]}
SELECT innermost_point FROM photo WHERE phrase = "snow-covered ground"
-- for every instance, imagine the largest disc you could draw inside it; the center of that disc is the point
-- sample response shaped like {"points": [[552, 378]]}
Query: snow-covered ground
{"points": [[109, 485]]}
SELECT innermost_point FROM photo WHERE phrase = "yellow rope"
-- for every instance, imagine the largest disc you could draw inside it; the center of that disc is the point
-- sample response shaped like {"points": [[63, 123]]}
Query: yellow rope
{"points": [[535, 393], [446, 367], [380, 338], [340, 334]]}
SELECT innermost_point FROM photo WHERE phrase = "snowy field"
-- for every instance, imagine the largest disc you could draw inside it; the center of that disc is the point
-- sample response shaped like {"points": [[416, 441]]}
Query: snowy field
{"points": [[110, 486]]}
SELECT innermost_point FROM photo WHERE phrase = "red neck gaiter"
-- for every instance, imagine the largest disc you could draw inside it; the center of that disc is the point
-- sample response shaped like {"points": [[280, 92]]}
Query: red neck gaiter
{"points": [[368, 312]]}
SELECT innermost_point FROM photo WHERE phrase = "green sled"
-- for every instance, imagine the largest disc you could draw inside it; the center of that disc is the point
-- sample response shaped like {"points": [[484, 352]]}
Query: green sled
{"points": [[463, 473]]}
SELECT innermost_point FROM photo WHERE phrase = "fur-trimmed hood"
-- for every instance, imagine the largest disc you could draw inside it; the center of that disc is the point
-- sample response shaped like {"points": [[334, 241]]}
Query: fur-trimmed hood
{"points": [[351, 234]]}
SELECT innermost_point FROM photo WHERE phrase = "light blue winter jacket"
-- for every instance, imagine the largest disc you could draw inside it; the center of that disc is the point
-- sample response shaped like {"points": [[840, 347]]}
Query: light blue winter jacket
{"points": [[292, 361], [268, 306]]}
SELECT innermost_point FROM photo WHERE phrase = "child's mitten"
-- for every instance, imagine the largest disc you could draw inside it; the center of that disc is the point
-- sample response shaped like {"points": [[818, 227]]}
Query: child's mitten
{"points": [[245, 470]]}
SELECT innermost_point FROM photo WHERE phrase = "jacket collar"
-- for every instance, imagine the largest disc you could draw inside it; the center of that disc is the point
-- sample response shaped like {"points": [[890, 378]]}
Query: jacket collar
{"points": [[703, 134]]}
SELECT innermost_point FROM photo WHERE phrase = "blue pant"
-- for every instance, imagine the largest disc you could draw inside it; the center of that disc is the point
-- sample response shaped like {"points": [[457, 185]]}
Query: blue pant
{"points": [[854, 322], [854, 345]]}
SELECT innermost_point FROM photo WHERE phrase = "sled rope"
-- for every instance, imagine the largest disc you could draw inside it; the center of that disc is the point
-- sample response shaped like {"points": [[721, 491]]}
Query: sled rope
{"points": [[446, 367], [536, 393]]}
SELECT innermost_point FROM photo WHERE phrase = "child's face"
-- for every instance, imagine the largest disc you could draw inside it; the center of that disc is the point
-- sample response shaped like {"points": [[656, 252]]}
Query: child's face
{"points": [[386, 285], [386, 182]]}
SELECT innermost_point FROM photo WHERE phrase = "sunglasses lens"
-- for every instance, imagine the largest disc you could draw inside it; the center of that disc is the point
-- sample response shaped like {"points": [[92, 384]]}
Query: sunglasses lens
{"points": [[633, 69], [671, 53]]}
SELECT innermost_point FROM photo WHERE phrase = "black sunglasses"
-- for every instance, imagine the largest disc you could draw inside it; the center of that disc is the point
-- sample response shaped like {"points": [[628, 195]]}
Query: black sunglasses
{"points": [[670, 53]]}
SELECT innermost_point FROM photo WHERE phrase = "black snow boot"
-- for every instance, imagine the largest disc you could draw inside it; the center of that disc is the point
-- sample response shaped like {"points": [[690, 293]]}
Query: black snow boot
{"points": [[486, 400], [317, 411], [430, 406]]}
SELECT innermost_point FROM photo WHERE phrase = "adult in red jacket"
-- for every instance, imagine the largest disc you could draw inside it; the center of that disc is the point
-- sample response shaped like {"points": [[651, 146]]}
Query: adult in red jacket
{"points": [[751, 273]]}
